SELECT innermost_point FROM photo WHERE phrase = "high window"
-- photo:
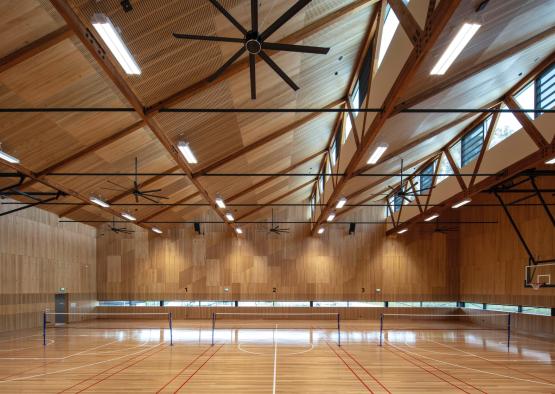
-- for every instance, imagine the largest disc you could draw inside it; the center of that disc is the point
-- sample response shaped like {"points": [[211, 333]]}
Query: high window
{"points": [[471, 144], [388, 31], [426, 178], [545, 88]]}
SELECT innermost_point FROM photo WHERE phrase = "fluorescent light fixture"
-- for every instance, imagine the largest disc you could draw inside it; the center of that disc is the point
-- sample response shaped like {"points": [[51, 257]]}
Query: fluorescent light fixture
{"points": [[378, 152], [99, 201], [552, 161], [321, 230], [110, 35], [229, 216], [461, 203], [465, 34], [128, 216], [402, 231], [186, 151], [341, 203], [220, 201], [156, 230], [8, 158], [239, 230], [331, 216], [430, 218]]}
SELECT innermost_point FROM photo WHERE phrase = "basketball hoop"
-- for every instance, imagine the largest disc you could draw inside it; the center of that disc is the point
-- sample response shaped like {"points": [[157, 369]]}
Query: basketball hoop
{"points": [[536, 285]]}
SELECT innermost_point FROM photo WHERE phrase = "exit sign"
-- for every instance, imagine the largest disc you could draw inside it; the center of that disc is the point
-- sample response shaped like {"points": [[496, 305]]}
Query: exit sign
{"points": [[62, 289]]}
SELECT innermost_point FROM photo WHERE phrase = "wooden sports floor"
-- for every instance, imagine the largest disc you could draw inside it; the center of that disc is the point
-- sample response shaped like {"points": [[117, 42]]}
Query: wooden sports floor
{"points": [[274, 357]]}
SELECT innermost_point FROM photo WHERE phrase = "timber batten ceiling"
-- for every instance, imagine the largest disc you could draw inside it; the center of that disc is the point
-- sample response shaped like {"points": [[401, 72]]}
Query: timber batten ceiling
{"points": [[63, 73]]}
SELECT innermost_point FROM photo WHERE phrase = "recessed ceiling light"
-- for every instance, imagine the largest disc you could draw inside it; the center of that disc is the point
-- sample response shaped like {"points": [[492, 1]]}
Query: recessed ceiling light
{"points": [[378, 152], [110, 35], [552, 161], [341, 203], [331, 216], [430, 218], [321, 230], [7, 157], [128, 216], [99, 201], [186, 151], [156, 230], [461, 203], [465, 34], [402, 231], [220, 201], [229, 216]]}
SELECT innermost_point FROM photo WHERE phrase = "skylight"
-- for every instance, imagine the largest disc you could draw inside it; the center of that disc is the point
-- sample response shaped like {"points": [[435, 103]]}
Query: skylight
{"points": [[506, 126], [465, 34], [388, 31]]}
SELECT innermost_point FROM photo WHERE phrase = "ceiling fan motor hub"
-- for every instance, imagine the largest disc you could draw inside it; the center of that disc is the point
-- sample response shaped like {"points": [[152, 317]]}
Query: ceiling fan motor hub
{"points": [[253, 46]]}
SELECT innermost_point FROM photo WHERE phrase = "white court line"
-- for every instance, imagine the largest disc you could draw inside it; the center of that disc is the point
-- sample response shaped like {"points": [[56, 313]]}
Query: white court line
{"points": [[79, 367], [275, 360], [58, 358], [239, 346], [49, 342], [468, 368]]}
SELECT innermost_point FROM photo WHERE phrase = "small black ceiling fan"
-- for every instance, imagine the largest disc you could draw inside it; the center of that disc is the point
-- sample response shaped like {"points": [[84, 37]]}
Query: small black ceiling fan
{"points": [[275, 229], [118, 230], [443, 230], [136, 191], [406, 191], [254, 42]]}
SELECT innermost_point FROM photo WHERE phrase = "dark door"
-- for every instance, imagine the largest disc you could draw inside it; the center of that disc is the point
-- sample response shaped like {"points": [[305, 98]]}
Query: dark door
{"points": [[61, 307]]}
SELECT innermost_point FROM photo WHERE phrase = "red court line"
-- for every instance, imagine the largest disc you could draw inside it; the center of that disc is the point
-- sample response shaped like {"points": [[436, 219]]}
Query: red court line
{"points": [[106, 370], [365, 370], [350, 369], [424, 369], [183, 369], [198, 369]]}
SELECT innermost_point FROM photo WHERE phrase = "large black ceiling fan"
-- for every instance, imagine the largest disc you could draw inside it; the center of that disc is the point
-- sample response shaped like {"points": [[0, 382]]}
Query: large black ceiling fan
{"points": [[254, 42]]}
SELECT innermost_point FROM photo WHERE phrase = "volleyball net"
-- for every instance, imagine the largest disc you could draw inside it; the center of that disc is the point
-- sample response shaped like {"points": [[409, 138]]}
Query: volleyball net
{"points": [[445, 322], [271, 320], [107, 321]]}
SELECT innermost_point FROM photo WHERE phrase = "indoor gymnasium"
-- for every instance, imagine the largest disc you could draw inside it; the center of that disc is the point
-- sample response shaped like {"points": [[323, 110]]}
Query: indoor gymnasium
{"points": [[277, 196]]}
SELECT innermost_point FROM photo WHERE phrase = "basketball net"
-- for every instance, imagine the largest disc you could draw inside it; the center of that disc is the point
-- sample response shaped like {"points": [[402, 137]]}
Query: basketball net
{"points": [[536, 285]]}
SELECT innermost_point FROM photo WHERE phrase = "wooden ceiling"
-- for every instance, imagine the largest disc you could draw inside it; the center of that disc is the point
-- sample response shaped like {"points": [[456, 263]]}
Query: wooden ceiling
{"points": [[44, 64]]}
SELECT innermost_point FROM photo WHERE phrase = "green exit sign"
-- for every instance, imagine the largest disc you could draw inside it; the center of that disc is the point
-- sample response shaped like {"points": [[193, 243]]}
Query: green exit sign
{"points": [[62, 289]]}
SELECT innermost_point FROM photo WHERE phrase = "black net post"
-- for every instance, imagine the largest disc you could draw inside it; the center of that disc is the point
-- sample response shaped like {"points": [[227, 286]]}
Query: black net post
{"points": [[381, 328], [213, 326], [44, 328], [508, 331], [170, 318], [338, 330]]}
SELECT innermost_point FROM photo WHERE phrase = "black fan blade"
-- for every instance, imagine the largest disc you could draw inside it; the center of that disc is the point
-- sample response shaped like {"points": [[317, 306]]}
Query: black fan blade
{"points": [[290, 13], [207, 38], [229, 16], [236, 56], [136, 197], [150, 191], [254, 15], [252, 65], [153, 196], [150, 199], [406, 198], [295, 48], [278, 70]]}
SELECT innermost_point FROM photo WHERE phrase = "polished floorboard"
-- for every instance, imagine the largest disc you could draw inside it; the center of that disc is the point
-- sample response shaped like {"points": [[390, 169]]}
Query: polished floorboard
{"points": [[131, 356]]}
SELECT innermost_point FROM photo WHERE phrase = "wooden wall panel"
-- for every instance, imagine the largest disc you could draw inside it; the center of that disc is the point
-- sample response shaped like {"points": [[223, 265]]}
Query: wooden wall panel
{"points": [[183, 265], [38, 256], [492, 259]]}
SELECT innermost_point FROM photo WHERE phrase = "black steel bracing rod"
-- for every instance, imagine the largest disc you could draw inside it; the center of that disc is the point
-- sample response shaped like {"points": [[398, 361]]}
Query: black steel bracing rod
{"points": [[276, 110], [515, 227], [248, 174], [200, 204], [542, 200], [17, 193], [28, 206], [258, 222]]}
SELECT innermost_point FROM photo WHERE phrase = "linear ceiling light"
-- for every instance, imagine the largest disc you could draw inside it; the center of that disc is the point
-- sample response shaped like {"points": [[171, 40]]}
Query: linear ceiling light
{"points": [[220, 201], [7, 157], [229, 216], [128, 216], [321, 230], [430, 218], [378, 152], [341, 203], [186, 151], [465, 34], [157, 230], [331, 216], [239, 230], [110, 35], [552, 161], [100, 202], [461, 203], [402, 231]]}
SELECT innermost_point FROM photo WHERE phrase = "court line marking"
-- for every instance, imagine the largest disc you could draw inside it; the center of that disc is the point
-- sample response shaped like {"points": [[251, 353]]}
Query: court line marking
{"points": [[473, 369], [183, 369], [194, 373], [364, 369], [275, 360], [350, 369], [48, 343], [78, 367]]}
